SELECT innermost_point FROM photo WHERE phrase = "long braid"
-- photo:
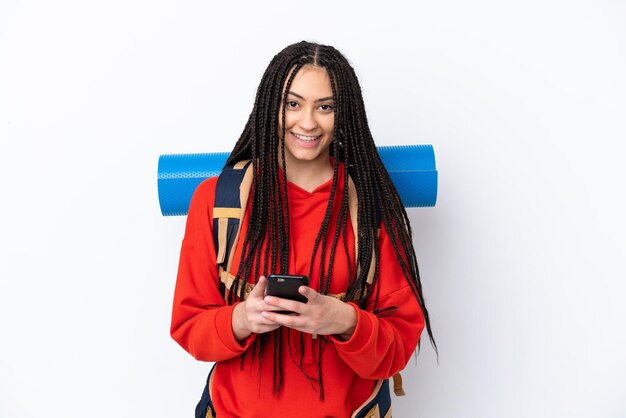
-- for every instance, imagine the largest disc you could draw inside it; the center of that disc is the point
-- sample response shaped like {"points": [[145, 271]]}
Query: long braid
{"points": [[284, 265], [344, 214], [321, 236], [267, 235], [341, 219]]}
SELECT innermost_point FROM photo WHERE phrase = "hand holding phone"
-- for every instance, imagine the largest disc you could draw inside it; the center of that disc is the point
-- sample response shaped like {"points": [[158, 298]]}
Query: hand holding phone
{"points": [[286, 286]]}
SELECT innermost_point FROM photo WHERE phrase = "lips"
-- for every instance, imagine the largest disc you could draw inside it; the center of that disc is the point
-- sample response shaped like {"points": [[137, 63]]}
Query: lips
{"points": [[306, 140]]}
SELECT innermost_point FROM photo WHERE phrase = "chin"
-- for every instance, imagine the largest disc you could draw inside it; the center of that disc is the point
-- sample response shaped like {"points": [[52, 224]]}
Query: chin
{"points": [[307, 156]]}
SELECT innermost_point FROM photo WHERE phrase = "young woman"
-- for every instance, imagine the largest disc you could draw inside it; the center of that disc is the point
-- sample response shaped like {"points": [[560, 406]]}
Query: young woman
{"points": [[321, 205]]}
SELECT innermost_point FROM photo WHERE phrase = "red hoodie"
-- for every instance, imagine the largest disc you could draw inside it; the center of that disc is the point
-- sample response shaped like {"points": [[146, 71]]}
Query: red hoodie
{"points": [[201, 321]]}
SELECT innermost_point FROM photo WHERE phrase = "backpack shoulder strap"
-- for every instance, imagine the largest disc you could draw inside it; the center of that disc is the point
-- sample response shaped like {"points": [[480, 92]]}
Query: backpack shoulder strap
{"points": [[231, 196]]}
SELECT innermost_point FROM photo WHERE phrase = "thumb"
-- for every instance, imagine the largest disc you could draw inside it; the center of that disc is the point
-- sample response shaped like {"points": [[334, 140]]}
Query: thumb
{"points": [[258, 291], [309, 293]]}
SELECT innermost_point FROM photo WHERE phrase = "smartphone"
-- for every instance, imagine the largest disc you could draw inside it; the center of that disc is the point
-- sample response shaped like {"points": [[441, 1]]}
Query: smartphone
{"points": [[286, 286]]}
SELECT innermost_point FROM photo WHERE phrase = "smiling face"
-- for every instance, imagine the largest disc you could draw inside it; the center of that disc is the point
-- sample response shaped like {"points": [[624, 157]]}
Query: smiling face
{"points": [[309, 117]]}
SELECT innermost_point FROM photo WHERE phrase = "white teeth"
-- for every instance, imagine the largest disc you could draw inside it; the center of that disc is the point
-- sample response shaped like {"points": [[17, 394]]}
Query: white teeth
{"points": [[305, 138]]}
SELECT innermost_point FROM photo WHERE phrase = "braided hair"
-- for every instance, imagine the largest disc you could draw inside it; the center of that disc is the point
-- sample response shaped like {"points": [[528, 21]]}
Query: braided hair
{"points": [[353, 145]]}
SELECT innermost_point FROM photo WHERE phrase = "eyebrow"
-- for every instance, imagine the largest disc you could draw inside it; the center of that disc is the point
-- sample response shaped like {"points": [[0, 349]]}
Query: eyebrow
{"points": [[318, 100]]}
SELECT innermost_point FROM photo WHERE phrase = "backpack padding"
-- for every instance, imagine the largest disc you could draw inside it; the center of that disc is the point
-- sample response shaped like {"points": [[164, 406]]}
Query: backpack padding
{"points": [[231, 196]]}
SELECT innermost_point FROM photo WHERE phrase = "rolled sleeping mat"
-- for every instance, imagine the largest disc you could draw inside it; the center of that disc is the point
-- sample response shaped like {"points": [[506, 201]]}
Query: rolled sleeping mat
{"points": [[411, 168]]}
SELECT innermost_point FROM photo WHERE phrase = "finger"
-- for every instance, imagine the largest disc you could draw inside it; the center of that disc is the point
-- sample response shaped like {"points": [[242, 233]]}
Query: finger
{"points": [[262, 327], [264, 321], [283, 304], [309, 293], [265, 329], [256, 308], [263, 306], [288, 320], [258, 291]]}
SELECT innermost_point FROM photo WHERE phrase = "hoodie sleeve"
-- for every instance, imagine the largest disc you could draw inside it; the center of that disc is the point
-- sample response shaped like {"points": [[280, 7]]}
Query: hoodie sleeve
{"points": [[201, 320], [384, 340]]}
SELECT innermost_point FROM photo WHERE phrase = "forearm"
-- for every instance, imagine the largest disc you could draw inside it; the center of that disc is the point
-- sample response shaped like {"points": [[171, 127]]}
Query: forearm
{"points": [[208, 336], [380, 346]]}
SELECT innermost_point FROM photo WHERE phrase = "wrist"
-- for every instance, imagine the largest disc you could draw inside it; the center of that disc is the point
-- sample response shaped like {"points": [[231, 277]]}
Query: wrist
{"points": [[238, 322], [348, 323]]}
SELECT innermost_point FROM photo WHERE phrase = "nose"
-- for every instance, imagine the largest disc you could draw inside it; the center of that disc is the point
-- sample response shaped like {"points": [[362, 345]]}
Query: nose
{"points": [[308, 121]]}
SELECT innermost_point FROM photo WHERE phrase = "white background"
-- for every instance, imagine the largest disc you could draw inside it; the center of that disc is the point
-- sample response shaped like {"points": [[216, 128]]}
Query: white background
{"points": [[522, 258]]}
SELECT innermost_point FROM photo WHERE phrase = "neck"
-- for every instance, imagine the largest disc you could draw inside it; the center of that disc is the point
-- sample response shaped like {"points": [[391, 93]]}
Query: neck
{"points": [[309, 175]]}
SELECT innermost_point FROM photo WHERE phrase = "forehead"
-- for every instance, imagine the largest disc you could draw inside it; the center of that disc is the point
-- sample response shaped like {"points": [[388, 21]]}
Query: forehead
{"points": [[311, 81]]}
